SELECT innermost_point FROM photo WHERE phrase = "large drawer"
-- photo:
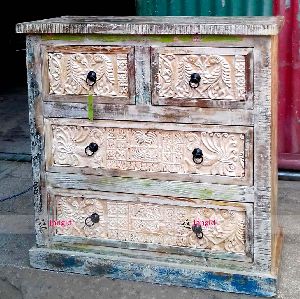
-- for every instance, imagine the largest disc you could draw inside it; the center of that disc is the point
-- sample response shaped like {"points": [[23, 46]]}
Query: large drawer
{"points": [[152, 223], [67, 74], [166, 151], [202, 76]]}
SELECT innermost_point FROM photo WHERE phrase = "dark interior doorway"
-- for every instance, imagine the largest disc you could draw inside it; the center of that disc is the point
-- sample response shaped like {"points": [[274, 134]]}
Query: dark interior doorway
{"points": [[12, 50]]}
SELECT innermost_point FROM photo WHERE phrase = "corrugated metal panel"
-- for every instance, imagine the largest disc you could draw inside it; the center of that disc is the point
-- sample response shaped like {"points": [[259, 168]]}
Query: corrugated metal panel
{"points": [[289, 88], [204, 7]]}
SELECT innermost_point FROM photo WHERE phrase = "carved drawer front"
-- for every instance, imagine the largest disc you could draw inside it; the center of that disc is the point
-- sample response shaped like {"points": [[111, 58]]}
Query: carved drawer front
{"points": [[204, 77], [154, 150], [106, 72], [224, 228]]}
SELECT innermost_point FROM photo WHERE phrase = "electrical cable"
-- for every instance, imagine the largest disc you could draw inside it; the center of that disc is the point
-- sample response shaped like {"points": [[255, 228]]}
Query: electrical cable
{"points": [[15, 195]]}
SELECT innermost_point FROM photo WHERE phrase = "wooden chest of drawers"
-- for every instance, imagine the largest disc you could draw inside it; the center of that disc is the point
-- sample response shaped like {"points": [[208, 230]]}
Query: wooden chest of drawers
{"points": [[154, 149]]}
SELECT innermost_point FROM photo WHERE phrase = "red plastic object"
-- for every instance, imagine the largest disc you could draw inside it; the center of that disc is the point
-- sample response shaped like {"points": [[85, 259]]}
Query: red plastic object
{"points": [[289, 85]]}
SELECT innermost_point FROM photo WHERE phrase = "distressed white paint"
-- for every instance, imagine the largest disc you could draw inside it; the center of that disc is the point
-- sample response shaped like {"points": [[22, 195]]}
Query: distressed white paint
{"points": [[154, 25], [260, 112], [155, 223], [68, 73]]}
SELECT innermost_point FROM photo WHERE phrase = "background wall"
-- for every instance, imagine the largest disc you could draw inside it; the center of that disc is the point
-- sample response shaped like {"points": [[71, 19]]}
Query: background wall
{"points": [[13, 71], [204, 7], [12, 50], [289, 85]]}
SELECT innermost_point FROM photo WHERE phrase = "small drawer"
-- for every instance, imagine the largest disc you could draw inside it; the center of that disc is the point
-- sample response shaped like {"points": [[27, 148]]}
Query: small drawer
{"points": [[203, 77], [73, 72], [203, 227], [166, 151]]}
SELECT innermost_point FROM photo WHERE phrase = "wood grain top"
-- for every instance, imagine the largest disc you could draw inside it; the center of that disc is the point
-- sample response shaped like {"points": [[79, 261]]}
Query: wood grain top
{"points": [[154, 25]]}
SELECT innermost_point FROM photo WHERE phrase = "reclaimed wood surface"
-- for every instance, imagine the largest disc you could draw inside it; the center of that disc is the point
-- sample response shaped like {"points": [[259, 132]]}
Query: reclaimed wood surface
{"points": [[276, 229], [161, 151], [37, 138], [61, 179], [255, 114], [226, 77], [65, 70], [116, 266], [155, 25], [185, 115], [156, 223]]}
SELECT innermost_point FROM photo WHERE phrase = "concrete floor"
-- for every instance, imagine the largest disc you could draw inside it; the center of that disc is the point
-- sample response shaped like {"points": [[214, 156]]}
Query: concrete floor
{"points": [[14, 124], [19, 280]]}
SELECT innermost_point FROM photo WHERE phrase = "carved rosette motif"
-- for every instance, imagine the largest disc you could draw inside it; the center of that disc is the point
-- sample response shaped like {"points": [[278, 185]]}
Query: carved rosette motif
{"points": [[69, 143], [156, 224], [150, 150], [222, 77], [68, 71]]}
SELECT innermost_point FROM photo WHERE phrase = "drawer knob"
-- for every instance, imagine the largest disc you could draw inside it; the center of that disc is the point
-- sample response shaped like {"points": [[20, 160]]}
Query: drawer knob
{"points": [[91, 149], [91, 220], [91, 78], [197, 155], [195, 80], [197, 229]]}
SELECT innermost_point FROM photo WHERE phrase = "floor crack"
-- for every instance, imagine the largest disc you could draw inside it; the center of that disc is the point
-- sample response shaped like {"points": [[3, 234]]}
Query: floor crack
{"points": [[19, 290]]}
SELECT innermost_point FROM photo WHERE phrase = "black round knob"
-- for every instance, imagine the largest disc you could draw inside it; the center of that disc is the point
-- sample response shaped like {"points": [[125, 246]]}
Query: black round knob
{"points": [[92, 219], [95, 218], [91, 149], [91, 78], [194, 80], [197, 155], [197, 229]]}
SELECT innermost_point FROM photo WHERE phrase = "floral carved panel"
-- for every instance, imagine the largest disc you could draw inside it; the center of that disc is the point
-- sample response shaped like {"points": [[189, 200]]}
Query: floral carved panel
{"points": [[68, 71], [223, 77], [223, 226], [149, 150]]}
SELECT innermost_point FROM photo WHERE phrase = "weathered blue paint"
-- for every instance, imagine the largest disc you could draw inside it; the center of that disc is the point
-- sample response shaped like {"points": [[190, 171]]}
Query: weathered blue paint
{"points": [[63, 261], [160, 273]]}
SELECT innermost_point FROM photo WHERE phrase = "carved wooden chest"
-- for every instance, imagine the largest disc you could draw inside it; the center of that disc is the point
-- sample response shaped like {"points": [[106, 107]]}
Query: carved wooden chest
{"points": [[154, 149]]}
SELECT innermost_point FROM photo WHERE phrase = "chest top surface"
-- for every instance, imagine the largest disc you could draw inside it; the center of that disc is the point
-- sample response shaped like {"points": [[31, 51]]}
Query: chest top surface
{"points": [[155, 25]]}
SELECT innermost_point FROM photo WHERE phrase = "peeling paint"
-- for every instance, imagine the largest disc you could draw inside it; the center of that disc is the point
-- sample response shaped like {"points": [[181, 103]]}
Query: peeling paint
{"points": [[206, 194], [221, 38], [139, 270], [118, 37]]}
